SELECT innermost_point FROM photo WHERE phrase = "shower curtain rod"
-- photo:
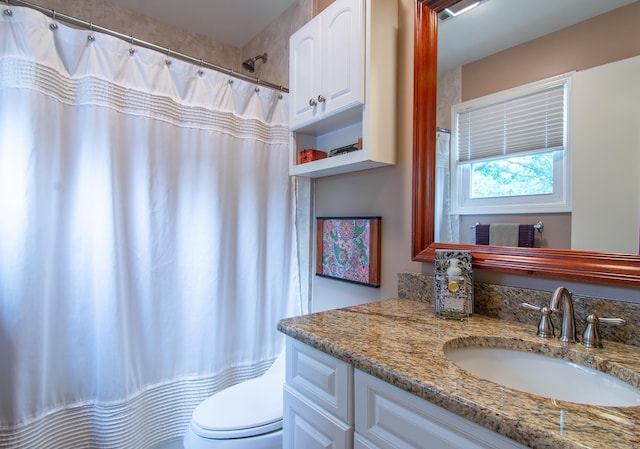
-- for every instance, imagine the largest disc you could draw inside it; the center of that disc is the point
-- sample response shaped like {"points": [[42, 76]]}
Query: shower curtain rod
{"points": [[134, 41]]}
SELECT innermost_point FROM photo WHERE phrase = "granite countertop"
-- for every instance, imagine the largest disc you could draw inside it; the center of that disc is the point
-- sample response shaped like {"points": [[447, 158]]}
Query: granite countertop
{"points": [[401, 341]]}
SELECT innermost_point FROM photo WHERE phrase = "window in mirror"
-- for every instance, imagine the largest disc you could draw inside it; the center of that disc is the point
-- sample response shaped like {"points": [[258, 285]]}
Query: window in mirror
{"points": [[510, 150]]}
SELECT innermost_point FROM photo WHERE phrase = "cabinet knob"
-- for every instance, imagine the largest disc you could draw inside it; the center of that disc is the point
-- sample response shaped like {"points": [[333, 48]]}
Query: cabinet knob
{"points": [[312, 102], [321, 99]]}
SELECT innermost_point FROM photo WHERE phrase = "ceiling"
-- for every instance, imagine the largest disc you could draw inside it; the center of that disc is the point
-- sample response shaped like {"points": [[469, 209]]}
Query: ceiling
{"points": [[491, 27]]}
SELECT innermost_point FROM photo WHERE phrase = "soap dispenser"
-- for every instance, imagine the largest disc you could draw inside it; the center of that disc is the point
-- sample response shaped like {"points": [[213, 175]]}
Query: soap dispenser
{"points": [[454, 289]]}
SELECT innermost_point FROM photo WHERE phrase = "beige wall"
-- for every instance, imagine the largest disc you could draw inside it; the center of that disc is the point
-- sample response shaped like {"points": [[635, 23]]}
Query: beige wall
{"points": [[606, 38], [319, 5]]}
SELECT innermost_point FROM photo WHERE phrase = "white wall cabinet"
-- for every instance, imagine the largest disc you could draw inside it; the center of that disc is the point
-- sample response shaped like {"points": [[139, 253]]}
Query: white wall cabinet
{"points": [[342, 72], [328, 404], [327, 64]]}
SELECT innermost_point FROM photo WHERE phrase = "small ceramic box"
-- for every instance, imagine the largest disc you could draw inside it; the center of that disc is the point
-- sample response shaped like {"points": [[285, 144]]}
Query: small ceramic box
{"points": [[309, 155]]}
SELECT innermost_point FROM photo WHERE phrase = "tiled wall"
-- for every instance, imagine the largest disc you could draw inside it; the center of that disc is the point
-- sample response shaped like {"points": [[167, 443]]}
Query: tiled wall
{"points": [[502, 302], [274, 40]]}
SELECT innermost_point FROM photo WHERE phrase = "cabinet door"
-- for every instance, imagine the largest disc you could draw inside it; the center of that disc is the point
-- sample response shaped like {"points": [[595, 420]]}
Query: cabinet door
{"points": [[304, 73], [307, 426], [342, 81]]}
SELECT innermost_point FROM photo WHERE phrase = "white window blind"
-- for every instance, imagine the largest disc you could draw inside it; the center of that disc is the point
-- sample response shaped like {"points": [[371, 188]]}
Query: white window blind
{"points": [[530, 123]]}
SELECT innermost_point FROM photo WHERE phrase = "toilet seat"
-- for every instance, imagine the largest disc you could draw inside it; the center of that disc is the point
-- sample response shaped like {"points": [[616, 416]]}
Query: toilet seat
{"points": [[234, 434], [244, 410]]}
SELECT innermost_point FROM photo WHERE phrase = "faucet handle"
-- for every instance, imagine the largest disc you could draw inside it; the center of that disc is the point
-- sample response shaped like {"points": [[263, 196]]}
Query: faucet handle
{"points": [[545, 326], [591, 335]]}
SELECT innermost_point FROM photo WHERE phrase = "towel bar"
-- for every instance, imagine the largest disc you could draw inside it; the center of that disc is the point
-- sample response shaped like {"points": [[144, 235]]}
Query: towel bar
{"points": [[538, 226]]}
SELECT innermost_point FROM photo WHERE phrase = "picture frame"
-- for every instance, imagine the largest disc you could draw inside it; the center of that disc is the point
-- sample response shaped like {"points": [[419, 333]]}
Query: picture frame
{"points": [[348, 249]]}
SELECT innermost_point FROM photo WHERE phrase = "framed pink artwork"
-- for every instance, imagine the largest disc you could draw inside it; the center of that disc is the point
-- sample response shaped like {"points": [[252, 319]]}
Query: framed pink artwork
{"points": [[348, 249]]}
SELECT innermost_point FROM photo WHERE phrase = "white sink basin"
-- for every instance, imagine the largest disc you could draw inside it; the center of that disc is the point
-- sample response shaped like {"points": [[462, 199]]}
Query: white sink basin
{"points": [[545, 376]]}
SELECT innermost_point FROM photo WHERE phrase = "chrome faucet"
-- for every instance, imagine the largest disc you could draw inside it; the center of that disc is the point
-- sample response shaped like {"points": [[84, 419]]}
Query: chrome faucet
{"points": [[562, 299]]}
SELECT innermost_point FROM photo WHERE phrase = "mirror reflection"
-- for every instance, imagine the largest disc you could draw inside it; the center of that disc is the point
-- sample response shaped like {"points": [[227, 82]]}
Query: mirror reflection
{"points": [[602, 144]]}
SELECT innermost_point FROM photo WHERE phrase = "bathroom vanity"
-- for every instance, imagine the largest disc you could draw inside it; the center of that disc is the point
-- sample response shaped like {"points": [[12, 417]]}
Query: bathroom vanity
{"points": [[377, 376]]}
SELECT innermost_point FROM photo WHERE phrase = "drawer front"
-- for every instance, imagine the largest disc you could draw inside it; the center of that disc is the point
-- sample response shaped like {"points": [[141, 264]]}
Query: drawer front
{"points": [[309, 427], [324, 379], [359, 442], [392, 418]]}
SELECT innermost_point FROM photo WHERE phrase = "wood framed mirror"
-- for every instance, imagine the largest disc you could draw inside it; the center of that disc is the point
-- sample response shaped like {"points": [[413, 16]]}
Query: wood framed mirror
{"points": [[584, 266]]}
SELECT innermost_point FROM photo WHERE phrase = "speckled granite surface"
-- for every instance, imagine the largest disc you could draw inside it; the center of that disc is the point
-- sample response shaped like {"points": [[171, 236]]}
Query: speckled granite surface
{"points": [[502, 302], [401, 341]]}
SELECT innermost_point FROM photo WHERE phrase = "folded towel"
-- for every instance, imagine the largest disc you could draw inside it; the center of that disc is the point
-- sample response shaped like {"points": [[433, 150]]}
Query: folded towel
{"points": [[503, 234]]}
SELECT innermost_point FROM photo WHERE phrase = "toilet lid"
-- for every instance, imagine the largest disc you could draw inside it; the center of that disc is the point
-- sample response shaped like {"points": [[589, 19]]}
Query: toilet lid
{"points": [[245, 409]]}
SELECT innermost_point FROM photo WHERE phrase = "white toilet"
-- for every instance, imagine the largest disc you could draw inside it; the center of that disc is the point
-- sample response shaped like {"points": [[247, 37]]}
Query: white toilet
{"points": [[247, 415]]}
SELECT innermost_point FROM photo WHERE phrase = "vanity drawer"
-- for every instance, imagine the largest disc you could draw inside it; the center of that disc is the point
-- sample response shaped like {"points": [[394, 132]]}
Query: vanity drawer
{"points": [[310, 427], [392, 418], [322, 378]]}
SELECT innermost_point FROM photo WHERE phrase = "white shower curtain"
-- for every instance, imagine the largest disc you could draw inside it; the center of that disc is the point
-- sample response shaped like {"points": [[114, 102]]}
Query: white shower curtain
{"points": [[446, 226], [147, 244]]}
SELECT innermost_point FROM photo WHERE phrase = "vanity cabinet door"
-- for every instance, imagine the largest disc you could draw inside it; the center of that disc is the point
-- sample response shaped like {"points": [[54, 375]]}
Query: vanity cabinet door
{"points": [[392, 418]]}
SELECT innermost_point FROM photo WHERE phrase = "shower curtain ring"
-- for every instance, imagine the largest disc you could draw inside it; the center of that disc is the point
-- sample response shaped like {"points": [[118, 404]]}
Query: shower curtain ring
{"points": [[91, 36], [53, 25], [132, 50], [200, 71]]}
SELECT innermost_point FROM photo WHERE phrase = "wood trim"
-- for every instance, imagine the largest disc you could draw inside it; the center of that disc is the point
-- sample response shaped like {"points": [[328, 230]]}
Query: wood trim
{"points": [[439, 5], [583, 266], [425, 79], [375, 257]]}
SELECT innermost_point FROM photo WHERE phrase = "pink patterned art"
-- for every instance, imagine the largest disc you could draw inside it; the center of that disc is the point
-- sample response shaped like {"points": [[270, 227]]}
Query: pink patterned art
{"points": [[349, 249]]}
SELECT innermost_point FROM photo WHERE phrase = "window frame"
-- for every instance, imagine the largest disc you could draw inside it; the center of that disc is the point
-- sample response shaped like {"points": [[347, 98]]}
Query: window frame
{"points": [[556, 202]]}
